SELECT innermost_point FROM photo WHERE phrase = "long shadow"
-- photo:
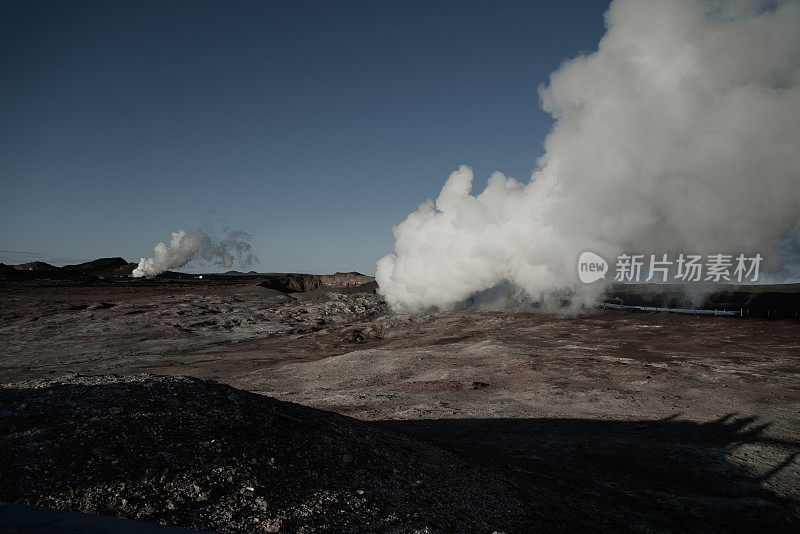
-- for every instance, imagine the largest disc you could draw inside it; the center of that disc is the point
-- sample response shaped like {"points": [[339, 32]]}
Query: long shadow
{"points": [[129, 448], [653, 475], [648, 475], [195, 453]]}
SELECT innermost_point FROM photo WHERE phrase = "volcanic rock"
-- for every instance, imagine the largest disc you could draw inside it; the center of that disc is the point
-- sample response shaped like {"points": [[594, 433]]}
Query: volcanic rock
{"points": [[298, 283], [195, 453], [101, 267]]}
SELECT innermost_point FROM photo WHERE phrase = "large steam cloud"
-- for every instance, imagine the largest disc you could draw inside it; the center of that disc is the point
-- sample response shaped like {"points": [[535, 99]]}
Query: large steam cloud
{"points": [[681, 133], [186, 246]]}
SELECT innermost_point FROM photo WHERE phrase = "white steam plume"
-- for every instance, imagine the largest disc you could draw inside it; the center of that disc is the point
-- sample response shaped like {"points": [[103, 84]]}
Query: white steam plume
{"points": [[186, 246], [681, 133]]}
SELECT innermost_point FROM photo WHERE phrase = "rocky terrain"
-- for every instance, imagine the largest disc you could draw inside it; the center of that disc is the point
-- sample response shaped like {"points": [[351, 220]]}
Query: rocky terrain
{"points": [[104, 324], [207, 456], [609, 421], [298, 283]]}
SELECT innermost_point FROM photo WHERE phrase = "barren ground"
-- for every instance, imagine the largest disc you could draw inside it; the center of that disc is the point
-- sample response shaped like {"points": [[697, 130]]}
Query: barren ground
{"points": [[612, 420]]}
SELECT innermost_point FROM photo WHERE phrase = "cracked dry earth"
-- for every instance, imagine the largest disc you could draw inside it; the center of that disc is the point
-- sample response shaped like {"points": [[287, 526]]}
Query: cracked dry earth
{"points": [[609, 421]]}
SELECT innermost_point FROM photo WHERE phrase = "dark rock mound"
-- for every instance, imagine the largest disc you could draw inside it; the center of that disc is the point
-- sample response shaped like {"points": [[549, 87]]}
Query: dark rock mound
{"points": [[27, 271], [194, 453], [101, 267], [9, 273], [299, 283]]}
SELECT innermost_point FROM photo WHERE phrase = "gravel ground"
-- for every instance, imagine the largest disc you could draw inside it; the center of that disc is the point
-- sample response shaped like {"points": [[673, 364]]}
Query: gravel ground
{"points": [[102, 324], [611, 421], [194, 453]]}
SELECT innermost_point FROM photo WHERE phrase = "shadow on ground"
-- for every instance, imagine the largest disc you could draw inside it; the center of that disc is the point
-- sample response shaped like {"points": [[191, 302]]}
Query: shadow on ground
{"points": [[666, 474], [195, 453], [199, 454]]}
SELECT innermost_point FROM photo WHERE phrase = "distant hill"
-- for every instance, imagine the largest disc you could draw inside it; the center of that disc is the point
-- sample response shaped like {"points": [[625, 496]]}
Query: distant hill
{"points": [[107, 267], [35, 266], [99, 268]]}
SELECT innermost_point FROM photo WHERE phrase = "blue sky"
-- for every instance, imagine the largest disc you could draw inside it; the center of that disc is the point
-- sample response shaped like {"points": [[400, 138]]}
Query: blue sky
{"points": [[314, 126]]}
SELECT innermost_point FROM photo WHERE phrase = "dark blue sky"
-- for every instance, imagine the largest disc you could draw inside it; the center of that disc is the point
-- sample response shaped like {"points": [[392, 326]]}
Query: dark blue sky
{"points": [[315, 126]]}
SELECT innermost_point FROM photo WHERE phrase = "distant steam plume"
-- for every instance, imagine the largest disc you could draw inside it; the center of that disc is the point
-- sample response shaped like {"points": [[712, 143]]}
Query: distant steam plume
{"points": [[681, 133], [186, 246]]}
